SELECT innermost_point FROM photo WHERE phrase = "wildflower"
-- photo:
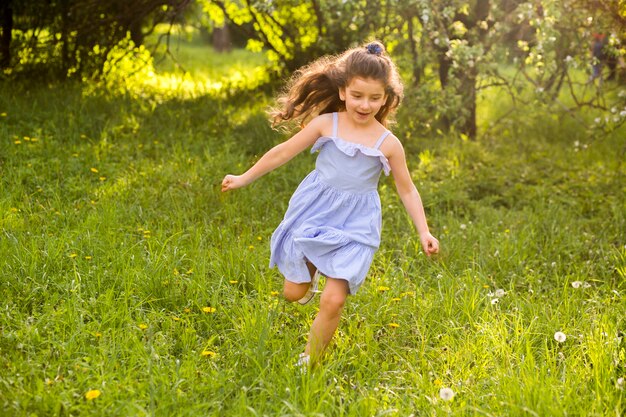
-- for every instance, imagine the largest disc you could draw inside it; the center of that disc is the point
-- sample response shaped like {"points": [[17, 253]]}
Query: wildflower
{"points": [[94, 170], [208, 353], [92, 394], [97, 334], [383, 288], [3, 114], [189, 271], [274, 293], [394, 325], [88, 258], [208, 309], [560, 337], [495, 301], [233, 281], [620, 383], [14, 210], [446, 394], [143, 326], [463, 226], [176, 318], [500, 293], [437, 382], [396, 299], [73, 255], [251, 247], [187, 310], [102, 178], [577, 284]]}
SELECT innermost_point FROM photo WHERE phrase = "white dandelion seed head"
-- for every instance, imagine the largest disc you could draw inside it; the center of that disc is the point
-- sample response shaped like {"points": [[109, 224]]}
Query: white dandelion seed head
{"points": [[577, 284], [597, 120], [560, 337], [620, 382], [495, 301], [463, 226], [586, 285], [446, 394], [553, 264], [500, 293]]}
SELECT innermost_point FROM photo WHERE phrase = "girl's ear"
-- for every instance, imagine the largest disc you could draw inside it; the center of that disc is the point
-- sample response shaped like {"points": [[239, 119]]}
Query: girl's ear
{"points": [[342, 94]]}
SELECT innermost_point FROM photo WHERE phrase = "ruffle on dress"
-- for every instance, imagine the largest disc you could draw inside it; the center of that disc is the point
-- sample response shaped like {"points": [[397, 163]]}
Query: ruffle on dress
{"points": [[351, 148]]}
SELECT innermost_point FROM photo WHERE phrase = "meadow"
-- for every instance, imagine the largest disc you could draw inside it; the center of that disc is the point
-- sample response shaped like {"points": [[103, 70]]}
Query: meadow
{"points": [[132, 287]]}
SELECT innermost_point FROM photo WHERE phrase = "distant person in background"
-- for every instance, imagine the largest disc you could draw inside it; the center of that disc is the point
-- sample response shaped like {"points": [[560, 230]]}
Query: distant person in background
{"points": [[598, 56], [333, 224]]}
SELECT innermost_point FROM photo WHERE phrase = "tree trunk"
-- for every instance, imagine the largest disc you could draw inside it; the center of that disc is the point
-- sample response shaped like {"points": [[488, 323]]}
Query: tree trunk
{"points": [[221, 39], [417, 67], [5, 38], [136, 35], [467, 89]]}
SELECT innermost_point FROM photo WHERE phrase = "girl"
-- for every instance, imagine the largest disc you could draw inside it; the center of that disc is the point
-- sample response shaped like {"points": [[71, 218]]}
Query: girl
{"points": [[332, 226]]}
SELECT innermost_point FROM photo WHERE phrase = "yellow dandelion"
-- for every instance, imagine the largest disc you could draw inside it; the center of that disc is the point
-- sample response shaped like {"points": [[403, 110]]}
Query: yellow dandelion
{"points": [[73, 255], [94, 170], [259, 238], [208, 353], [189, 271], [176, 318], [17, 142], [92, 394], [14, 210], [176, 271], [143, 326], [88, 258], [383, 288], [74, 155], [251, 247], [26, 138], [34, 140], [274, 293], [208, 309], [233, 281], [394, 325], [187, 310], [3, 114], [97, 334], [396, 299], [102, 178], [437, 382]]}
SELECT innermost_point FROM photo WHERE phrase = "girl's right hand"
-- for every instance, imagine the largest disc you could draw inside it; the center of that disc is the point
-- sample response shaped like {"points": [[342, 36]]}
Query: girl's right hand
{"points": [[230, 182]]}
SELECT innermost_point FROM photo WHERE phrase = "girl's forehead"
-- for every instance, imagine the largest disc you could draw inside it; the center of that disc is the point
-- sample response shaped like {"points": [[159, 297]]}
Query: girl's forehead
{"points": [[370, 85]]}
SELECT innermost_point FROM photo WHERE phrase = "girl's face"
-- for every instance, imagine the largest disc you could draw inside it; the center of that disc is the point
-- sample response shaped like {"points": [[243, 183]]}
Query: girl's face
{"points": [[363, 98]]}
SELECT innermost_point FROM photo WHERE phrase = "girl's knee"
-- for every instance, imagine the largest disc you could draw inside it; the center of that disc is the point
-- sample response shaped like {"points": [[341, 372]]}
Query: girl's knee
{"points": [[332, 302]]}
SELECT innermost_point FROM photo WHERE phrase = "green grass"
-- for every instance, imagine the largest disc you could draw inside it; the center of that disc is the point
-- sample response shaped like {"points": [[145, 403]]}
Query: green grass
{"points": [[115, 237]]}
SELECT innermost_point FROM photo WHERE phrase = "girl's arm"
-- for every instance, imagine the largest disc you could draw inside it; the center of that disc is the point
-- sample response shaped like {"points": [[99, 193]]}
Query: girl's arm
{"points": [[279, 154], [408, 193]]}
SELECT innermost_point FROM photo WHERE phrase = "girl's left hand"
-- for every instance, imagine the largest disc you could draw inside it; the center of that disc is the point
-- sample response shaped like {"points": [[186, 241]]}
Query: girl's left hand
{"points": [[429, 244]]}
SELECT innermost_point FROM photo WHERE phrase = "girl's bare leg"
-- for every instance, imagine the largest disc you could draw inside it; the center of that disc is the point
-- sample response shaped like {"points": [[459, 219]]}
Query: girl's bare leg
{"points": [[325, 324], [293, 291]]}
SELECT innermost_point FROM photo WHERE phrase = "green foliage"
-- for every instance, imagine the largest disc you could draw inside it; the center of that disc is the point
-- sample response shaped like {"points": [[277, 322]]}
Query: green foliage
{"points": [[125, 271]]}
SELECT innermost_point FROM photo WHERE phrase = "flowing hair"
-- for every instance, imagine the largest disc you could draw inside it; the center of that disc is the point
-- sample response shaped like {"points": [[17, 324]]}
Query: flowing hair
{"points": [[314, 88]]}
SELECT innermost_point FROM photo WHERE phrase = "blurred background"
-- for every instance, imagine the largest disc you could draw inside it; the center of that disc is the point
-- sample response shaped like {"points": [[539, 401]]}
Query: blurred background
{"points": [[565, 57]]}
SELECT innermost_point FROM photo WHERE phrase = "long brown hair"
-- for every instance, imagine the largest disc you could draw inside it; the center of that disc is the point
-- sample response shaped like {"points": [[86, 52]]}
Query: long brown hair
{"points": [[314, 88]]}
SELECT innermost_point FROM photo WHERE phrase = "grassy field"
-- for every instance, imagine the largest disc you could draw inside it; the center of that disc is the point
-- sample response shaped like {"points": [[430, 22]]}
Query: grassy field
{"points": [[132, 287]]}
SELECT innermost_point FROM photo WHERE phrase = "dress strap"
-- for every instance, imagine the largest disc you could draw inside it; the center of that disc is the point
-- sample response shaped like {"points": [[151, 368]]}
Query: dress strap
{"points": [[335, 123], [381, 139]]}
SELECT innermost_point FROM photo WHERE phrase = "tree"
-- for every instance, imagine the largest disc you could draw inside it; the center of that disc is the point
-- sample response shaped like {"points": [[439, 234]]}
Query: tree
{"points": [[72, 37]]}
